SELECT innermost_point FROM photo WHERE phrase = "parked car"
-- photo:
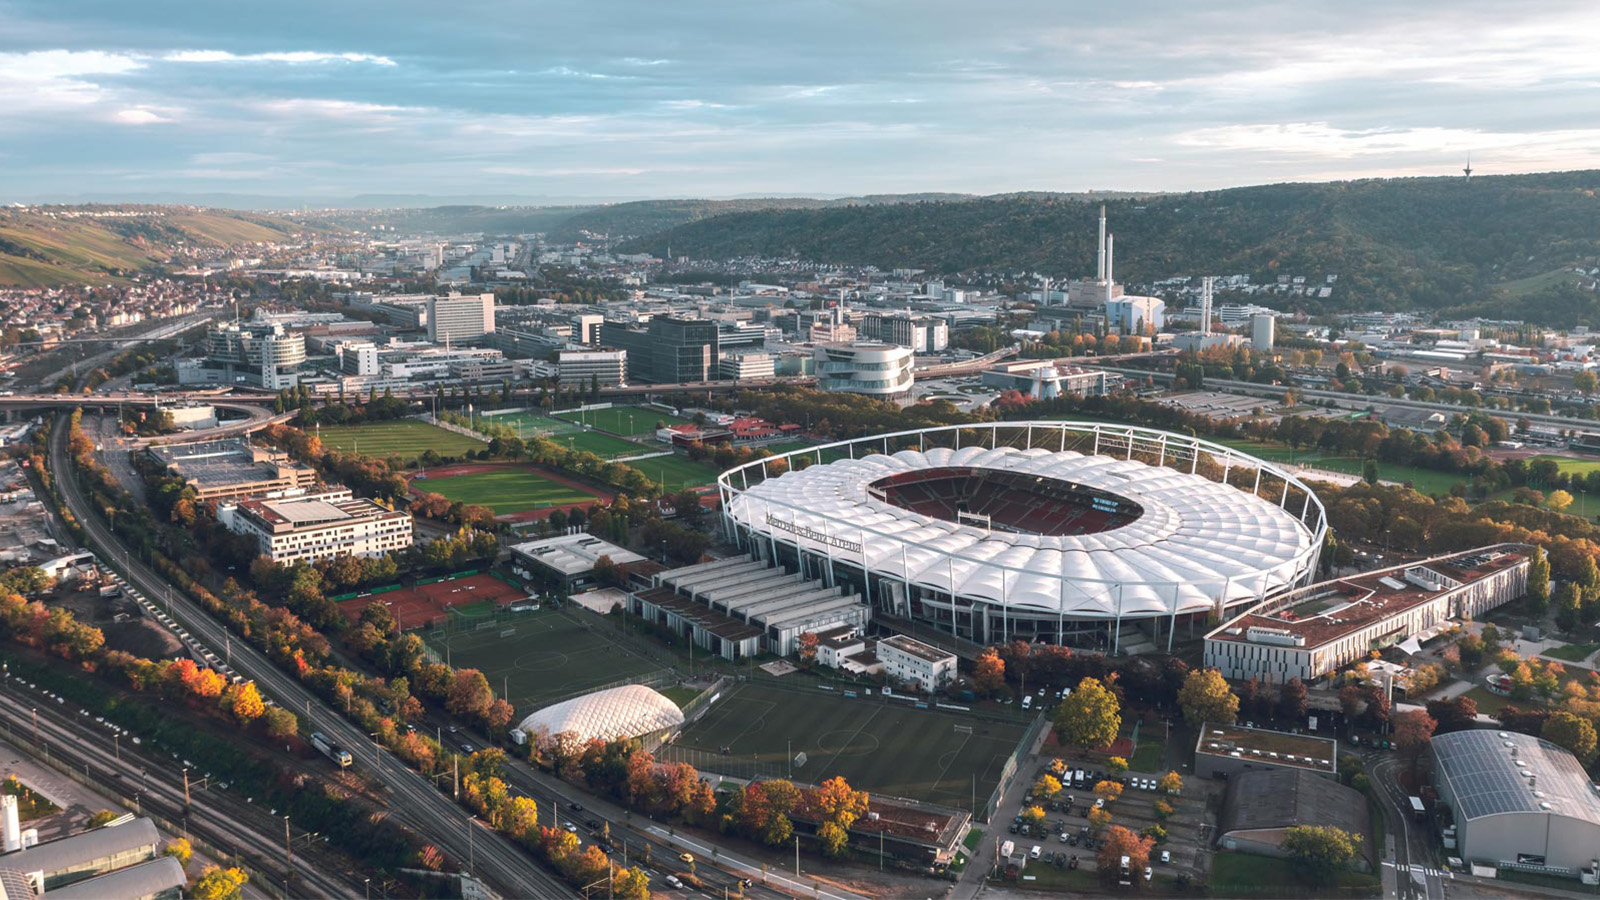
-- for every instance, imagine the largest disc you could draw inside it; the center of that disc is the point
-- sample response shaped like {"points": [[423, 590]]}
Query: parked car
{"points": [[1166, 857]]}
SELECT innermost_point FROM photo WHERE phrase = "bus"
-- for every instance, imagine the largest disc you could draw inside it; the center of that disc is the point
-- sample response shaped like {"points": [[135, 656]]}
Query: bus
{"points": [[1417, 810]]}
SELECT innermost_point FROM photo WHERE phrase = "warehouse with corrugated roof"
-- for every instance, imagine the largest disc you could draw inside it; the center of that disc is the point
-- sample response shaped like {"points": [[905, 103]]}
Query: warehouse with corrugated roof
{"points": [[1518, 801]]}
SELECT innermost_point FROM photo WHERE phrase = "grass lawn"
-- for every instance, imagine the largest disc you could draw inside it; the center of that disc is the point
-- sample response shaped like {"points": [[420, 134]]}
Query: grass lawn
{"points": [[1049, 878], [1570, 465], [1488, 703], [30, 805], [622, 419], [549, 657], [676, 472], [529, 425], [405, 438], [680, 695], [974, 835], [1149, 753], [603, 445], [507, 490], [876, 743], [1244, 875], [1426, 481], [1573, 652]]}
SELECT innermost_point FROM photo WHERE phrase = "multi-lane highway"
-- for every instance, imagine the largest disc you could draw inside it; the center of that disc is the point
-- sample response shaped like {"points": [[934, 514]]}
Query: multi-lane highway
{"points": [[414, 799], [155, 786]]}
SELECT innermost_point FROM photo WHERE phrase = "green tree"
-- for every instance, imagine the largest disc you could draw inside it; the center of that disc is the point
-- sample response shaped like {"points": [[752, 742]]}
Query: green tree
{"points": [[1116, 765], [1558, 500], [1576, 734], [245, 702], [217, 883], [179, 849], [1319, 852], [1584, 381], [1539, 580], [1090, 717], [1206, 697], [1569, 602], [1369, 471]]}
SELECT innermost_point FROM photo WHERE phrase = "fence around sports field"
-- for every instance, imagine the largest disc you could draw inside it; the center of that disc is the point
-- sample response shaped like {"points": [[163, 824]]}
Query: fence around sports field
{"points": [[431, 602]]}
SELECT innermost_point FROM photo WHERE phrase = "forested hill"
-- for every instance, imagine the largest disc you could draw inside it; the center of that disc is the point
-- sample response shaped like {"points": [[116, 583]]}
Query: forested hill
{"points": [[1493, 245]]}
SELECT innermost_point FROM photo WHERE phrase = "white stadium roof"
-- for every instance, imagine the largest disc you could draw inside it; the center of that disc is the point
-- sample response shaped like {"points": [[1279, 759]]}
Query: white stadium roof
{"points": [[1196, 541], [614, 714]]}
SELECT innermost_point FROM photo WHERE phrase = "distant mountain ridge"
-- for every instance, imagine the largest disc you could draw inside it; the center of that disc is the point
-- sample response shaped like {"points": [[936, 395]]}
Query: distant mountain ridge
{"points": [[1428, 243]]}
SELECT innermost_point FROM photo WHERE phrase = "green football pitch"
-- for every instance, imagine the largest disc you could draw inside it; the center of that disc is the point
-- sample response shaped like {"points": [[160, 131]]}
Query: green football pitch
{"points": [[510, 489], [876, 743], [571, 435], [405, 438], [542, 657], [624, 420]]}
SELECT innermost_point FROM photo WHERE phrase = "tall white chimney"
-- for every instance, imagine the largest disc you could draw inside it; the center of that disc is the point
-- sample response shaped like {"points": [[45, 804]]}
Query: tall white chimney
{"points": [[11, 826], [1100, 271], [1110, 264], [1205, 306]]}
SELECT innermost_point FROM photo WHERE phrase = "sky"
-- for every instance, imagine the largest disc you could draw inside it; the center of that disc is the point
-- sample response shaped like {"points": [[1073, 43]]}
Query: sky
{"points": [[484, 100]]}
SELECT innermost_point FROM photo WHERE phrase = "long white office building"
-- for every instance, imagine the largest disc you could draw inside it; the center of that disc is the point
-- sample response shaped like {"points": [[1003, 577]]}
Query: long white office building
{"points": [[324, 525]]}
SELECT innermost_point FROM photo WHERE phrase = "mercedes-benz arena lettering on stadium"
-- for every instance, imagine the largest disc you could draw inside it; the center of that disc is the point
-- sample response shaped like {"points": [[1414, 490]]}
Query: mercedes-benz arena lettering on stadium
{"points": [[1055, 531]]}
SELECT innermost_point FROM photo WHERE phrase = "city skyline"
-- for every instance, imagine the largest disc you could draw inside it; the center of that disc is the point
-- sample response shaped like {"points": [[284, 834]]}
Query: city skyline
{"points": [[628, 101]]}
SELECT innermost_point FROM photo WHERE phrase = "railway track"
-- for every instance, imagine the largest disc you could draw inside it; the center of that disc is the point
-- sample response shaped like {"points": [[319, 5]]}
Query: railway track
{"points": [[153, 785], [413, 799]]}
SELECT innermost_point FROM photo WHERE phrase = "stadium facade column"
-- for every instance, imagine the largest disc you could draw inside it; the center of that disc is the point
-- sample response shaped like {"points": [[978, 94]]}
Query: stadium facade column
{"points": [[1161, 457], [1096, 440], [1116, 637], [1005, 605], [1172, 625], [1256, 491], [1194, 457], [1030, 435], [829, 578], [866, 570], [1284, 500], [950, 563], [1063, 430], [905, 573]]}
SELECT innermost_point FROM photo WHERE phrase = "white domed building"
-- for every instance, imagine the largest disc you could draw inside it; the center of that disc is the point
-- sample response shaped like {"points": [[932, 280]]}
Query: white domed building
{"points": [[620, 713]]}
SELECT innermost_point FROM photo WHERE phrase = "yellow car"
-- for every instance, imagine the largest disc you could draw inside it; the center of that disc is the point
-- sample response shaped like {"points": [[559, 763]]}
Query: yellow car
{"points": [[686, 857]]}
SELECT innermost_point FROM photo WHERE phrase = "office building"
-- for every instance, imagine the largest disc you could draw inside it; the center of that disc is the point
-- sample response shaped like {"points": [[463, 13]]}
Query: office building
{"points": [[231, 468], [358, 359], [458, 319], [912, 662], [667, 350], [877, 370], [324, 525], [1042, 379], [745, 365], [607, 368], [1314, 631], [923, 334], [586, 328], [260, 354]]}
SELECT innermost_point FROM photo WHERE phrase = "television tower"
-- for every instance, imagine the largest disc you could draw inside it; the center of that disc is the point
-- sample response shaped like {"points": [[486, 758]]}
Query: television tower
{"points": [[1468, 169]]}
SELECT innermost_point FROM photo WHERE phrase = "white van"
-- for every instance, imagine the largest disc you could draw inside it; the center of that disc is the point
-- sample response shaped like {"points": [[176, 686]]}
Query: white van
{"points": [[1027, 702]]}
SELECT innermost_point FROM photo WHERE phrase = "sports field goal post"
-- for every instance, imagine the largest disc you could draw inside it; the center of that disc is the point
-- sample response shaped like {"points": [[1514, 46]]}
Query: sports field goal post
{"points": [[981, 520], [800, 759], [963, 729]]}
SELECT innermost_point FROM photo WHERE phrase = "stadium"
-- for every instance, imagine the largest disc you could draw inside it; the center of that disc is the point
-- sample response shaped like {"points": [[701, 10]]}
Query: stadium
{"points": [[1064, 532]]}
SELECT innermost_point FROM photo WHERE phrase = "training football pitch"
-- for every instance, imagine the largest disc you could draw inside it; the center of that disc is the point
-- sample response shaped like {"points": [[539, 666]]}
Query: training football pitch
{"points": [[510, 489], [876, 743], [622, 419], [676, 472], [405, 438], [548, 656], [571, 435]]}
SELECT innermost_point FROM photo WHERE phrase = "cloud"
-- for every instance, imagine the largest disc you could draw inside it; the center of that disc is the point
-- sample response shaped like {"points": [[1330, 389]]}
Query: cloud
{"points": [[636, 61], [297, 57], [140, 115], [1322, 140]]}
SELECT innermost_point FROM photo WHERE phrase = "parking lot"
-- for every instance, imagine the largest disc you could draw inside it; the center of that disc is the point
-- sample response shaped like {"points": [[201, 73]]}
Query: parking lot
{"points": [[1068, 834]]}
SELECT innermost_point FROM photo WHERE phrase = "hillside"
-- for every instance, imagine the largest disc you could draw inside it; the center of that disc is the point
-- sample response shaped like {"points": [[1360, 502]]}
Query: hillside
{"points": [[570, 224], [57, 245], [1439, 243]]}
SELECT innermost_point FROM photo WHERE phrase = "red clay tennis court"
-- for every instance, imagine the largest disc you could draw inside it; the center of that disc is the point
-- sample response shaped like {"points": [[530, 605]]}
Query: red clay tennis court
{"points": [[427, 604]]}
